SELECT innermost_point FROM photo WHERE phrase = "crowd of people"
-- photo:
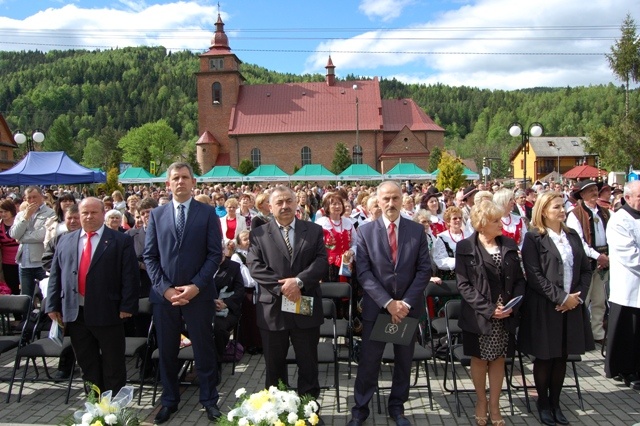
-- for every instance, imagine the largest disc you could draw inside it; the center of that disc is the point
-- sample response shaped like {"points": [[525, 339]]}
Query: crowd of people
{"points": [[210, 256]]}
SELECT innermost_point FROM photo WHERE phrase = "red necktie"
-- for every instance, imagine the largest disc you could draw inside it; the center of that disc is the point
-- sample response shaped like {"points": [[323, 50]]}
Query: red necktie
{"points": [[393, 242], [85, 262]]}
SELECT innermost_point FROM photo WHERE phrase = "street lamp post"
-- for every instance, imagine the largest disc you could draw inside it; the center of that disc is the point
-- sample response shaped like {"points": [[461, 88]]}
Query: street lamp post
{"points": [[357, 150], [535, 130], [559, 175], [21, 138]]}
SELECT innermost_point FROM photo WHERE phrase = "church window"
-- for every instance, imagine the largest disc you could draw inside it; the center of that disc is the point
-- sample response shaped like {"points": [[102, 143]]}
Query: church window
{"points": [[256, 158], [305, 155]]}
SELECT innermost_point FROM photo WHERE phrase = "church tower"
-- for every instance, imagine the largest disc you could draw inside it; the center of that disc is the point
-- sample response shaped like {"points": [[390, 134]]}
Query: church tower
{"points": [[218, 84]]}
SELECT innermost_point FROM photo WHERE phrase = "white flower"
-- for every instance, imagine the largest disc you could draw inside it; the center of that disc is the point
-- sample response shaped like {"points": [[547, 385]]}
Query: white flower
{"points": [[111, 419], [86, 418], [243, 422], [292, 418], [240, 392]]}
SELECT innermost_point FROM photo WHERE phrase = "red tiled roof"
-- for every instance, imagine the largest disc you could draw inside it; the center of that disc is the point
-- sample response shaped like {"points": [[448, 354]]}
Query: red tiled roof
{"points": [[398, 113], [223, 159], [207, 139], [306, 107]]}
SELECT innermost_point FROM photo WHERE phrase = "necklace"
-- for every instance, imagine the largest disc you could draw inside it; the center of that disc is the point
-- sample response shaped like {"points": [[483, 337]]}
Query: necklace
{"points": [[453, 239], [338, 226], [506, 223]]}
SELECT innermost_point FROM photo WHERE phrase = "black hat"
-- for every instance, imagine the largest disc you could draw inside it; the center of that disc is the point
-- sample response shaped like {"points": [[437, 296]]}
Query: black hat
{"points": [[575, 194], [469, 191]]}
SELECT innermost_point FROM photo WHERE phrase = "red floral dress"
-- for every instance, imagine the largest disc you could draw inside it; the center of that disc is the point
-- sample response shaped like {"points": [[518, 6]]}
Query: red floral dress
{"points": [[338, 239]]}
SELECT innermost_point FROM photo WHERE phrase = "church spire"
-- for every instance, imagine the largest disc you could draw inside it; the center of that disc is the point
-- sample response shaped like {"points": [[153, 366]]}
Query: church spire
{"points": [[220, 40]]}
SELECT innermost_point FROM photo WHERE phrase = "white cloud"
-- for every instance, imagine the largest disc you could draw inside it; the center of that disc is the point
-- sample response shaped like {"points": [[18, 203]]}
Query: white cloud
{"points": [[491, 43], [383, 9], [177, 26]]}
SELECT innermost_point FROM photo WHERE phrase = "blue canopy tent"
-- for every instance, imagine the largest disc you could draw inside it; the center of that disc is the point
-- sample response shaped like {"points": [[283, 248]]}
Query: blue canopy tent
{"points": [[49, 168]]}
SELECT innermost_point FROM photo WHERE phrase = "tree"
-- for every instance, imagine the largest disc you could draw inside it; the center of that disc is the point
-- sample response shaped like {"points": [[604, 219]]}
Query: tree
{"points": [[450, 175], [60, 137], [151, 142], [246, 166], [624, 59], [190, 155], [617, 146], [112, 183], [103, 151], [434, 159], [341, 159]]}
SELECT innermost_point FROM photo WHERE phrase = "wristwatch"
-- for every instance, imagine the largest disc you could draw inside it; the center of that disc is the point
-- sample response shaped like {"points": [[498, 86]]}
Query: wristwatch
{"points": [[300, 283]]}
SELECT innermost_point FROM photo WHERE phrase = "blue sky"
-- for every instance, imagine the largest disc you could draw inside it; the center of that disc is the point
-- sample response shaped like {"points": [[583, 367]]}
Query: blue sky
{"points": [[495, 44]]}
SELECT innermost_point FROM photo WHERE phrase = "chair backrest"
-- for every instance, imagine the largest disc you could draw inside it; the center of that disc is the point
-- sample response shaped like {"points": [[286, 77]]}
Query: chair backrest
{"points": [[14, 304], [452, 310], [447, 288], [335, 290], [144, 306], [329, 308]]}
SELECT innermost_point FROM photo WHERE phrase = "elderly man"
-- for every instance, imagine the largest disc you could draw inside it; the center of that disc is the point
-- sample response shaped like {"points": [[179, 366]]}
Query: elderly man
{"points": [[29, 230], [623, 235], [590, 220], [93, 287]]}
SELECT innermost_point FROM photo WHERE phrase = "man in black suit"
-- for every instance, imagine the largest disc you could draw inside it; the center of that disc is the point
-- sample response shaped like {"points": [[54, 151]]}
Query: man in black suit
{"points": [[287, 258], [228, 305], [394, 267], [182, 252], [93, 286]]}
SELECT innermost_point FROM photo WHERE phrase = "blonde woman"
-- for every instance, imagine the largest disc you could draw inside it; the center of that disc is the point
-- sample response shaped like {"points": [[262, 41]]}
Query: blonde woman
{"points": [[513, 226], [230, 224], [489, 275]]}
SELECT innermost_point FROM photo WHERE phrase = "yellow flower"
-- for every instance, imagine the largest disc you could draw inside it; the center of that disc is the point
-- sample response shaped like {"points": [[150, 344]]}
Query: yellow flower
{"points": [[314, 419], [300, 422], [97, 423], [278, 423]]}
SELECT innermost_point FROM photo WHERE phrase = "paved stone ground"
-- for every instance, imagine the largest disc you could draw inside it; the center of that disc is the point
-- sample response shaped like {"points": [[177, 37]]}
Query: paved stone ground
{"points": [[606, 402]]}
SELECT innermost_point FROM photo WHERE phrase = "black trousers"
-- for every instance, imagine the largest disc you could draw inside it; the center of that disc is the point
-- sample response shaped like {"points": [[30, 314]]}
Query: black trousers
{"points": [[623, 341], [305, 343], [100, 353]]}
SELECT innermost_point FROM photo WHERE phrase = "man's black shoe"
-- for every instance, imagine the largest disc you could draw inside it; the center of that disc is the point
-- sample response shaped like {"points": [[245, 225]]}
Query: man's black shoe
{"points": [[355, 422], [630, 378], [213, 412], [164, 414], [560, 417], [401, 420], [62, 375]]}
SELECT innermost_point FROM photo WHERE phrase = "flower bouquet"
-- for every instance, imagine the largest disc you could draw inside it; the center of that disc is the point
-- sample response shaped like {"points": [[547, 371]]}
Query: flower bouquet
{"points": [[101, 409], [275, 406]]}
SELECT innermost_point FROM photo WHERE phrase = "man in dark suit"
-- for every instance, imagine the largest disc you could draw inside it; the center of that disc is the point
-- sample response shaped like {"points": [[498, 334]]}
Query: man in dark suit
{"points": [[287, 258], [393, 263], [182, 252], [93, 286], [228, 305]]}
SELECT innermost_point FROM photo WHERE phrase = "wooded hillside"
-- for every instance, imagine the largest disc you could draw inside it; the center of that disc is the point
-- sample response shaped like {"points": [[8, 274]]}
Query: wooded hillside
{"points": [[86, 101]]}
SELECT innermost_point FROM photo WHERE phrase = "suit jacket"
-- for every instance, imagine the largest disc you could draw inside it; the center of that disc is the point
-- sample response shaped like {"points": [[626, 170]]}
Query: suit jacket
{"points": [[194, 261], [541, 326], [139, 236], [31, 232], [477, 306], [381, 279], [269, 261], [229, 276], [112, 280]]}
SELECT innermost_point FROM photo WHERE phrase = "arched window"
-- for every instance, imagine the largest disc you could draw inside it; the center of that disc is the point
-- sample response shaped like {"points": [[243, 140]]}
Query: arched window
{"points": [[357, 155], [256, 158], [216, 90], [305, 155]]}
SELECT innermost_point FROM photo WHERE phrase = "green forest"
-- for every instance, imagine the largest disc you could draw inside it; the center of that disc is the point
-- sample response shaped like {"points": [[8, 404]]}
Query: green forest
{"points": [[88, 101]]}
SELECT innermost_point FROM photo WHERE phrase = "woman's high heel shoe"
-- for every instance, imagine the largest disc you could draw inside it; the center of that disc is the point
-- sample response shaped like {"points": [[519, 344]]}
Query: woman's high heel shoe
{"points": [[482, 420]]}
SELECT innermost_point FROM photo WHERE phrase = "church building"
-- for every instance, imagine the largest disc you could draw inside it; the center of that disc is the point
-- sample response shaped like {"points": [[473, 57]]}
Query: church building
{"points": [[295, 124]]}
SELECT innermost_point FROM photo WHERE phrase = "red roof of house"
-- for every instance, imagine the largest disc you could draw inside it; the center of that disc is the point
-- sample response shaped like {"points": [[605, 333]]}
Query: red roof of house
{"points": [[584, 171], [307, 107], [397, 113]]}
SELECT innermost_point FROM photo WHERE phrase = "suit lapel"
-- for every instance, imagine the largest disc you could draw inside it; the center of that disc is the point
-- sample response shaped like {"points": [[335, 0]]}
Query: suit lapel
{"points": [[299, 238], [194, 209], [278, 239], [548, 244], [168, 216], [384, 238], [403, 237], [104, 242]]}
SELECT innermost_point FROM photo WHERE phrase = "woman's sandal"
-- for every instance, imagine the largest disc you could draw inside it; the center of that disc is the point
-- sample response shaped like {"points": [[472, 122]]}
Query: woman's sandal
{"points": [[482, 420]]}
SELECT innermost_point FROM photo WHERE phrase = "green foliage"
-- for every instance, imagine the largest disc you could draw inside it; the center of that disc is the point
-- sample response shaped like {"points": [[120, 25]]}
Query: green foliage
{"points": [[617, 145], [295, 168], [85, 101], [450, 175], [434, 159], [190, 154], [112, 183], [150, 142], [246, 166], [624, 59], [341, 159]]}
